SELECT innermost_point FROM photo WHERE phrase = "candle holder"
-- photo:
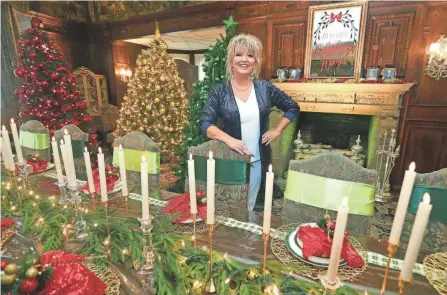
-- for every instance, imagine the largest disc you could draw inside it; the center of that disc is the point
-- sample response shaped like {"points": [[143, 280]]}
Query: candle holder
{"points": [[126, 202], [107, 217], [80, 223], [210, 288], [266, 238], [392, 249], [65, 199], [403, 285], [194, 219], [148, 251], [330, 285], [23, 172]]}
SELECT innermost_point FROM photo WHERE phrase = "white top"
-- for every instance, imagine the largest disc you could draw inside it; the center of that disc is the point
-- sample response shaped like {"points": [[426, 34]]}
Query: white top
{"points": [[250, 125]]}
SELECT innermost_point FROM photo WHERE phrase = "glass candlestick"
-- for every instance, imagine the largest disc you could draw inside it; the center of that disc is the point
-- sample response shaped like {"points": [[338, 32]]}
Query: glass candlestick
{"points": [[80, 223], [148, 252], [65, 199]]}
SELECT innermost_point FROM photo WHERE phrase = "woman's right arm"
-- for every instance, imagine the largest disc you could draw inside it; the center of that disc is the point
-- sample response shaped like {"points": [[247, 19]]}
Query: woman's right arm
{"points": [[209, 116]]}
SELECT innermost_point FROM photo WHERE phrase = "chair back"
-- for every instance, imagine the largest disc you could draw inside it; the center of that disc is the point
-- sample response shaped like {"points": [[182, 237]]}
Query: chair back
{"points": [[317, 185], [35, 139], [135, 145], [231, 175], [435, 237]]}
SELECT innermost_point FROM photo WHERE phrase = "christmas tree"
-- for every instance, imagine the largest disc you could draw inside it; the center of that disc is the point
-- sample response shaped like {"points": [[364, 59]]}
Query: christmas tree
{"points": [[48, 91], [156, 100], [215, 72]]}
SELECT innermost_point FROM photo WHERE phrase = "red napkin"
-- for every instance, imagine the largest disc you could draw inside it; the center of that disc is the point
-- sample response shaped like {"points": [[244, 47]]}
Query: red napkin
{"points": [[316, 243], [180, 205], [110, 180], [38, 166]]}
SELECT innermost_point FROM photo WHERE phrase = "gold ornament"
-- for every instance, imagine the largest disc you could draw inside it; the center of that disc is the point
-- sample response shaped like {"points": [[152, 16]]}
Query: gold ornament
{"points": [[8, 279], [251, 275], [148, 107], [141, 128], [162, 111], [171, 129], [157, 87], [32, 272], [11, 268], [125, 97], [144, 61], [157, 100]]}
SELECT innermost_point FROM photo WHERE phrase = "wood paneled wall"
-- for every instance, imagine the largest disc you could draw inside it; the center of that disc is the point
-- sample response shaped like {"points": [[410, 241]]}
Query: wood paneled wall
{"points": [[397, 33]]}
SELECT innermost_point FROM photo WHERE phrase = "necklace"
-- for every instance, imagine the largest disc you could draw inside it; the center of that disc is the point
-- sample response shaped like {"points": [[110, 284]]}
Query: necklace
{"points": [[234, 85]]}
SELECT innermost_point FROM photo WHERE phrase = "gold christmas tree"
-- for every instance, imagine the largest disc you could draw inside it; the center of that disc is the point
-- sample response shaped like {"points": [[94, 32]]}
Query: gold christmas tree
{"points": [[156, 101]]}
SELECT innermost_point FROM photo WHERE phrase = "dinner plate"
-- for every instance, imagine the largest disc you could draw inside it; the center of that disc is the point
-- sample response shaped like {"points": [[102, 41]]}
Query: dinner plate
{"points": [[294, 245]]}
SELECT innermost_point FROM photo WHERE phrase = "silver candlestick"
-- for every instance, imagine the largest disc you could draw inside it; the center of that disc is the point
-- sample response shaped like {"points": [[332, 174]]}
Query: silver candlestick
{"points": [[383, 180], [80, 223], [65, 199], [148, 249], [298, 143]]}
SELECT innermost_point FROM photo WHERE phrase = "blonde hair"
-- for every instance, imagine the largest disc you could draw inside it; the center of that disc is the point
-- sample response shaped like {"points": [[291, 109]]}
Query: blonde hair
{"points": [[241, 43]]}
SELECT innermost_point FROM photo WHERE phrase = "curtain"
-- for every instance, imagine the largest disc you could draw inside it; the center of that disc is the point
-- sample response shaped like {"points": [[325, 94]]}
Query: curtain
{"points": [[9, 36]]}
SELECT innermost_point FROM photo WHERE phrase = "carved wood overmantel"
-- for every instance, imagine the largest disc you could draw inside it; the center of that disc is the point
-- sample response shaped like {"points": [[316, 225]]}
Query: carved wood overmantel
{"points": [[382, 100]]}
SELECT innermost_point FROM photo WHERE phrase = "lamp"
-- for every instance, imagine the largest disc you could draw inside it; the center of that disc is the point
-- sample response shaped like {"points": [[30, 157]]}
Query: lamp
{"points": [[125, 74], [437, 63]]}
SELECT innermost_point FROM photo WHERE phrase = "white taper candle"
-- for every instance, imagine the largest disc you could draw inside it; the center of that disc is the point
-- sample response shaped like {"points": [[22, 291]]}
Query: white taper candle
{"points": [[123, 175], [402, 205], [268, 200], [88, 168], [192, 185], [210, 171], [57, 161], [337, 241], [416, 237], [102, 176], [144, 189]]}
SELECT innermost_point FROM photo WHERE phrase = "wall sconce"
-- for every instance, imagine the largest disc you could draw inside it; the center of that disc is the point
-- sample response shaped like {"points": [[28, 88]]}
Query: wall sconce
{"points": [[125, 74], [437, 63]]}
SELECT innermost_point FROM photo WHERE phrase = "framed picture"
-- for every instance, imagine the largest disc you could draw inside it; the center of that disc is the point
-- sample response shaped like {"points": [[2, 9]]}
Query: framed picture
{"points": [[335, 40]]}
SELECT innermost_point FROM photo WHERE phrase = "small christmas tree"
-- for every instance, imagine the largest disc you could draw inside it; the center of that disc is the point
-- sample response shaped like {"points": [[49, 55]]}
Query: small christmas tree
{"points": [[215, 72], [156, 100], [48, 91]]}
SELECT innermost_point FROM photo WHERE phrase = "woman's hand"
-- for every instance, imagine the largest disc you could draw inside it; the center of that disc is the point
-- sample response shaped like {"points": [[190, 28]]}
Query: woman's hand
{"points": [[269, 136], [239, 146]]}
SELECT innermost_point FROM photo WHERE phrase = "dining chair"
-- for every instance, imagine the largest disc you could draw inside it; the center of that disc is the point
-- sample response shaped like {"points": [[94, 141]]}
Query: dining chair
{"points": [[317, 185]]}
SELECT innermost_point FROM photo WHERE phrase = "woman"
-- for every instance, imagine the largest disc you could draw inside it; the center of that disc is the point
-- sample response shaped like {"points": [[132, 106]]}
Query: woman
{"points": [[243, 106]]}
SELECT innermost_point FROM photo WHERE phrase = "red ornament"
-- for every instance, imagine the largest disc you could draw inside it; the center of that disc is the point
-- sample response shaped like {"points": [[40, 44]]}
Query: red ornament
{"points": [[44, 84], [54, 75], [41, 66], [39, 89], [20, 72], [37, 40], [4, 263], [30, 92], [28, 285], [30, 31], [33, 54], [50, 56], [47, 102], [64, 79]]}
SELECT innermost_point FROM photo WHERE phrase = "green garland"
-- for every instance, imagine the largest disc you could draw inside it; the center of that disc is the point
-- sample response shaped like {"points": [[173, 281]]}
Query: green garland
{"points": [[177, 270]]}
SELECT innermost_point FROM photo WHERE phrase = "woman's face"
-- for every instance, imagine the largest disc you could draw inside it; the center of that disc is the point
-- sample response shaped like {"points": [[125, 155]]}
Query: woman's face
{"points": [[243, 63]]}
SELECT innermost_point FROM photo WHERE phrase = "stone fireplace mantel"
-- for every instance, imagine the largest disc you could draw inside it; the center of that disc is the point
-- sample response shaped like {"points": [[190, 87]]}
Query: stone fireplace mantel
{"points": [[379, 99], [383, 101]]}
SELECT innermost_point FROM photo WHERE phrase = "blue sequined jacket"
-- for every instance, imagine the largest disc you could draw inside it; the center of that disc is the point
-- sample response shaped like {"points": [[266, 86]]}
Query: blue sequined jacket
{"points": [[221, 106]]}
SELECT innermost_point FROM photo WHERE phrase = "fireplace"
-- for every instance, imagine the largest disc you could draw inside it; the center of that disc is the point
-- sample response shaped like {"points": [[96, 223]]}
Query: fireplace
{"points": [[334, 113]]}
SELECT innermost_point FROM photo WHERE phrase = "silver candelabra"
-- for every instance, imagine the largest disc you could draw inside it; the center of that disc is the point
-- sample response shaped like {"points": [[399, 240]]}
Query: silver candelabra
{"points": [[386, 156], [298, 143]]}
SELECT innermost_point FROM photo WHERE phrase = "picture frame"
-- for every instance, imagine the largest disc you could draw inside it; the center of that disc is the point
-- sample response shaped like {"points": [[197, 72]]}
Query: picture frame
{"points": [[335, 39]]}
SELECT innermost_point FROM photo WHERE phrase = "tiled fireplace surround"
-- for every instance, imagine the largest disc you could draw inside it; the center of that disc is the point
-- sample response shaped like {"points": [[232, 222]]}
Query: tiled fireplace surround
{"points": [[382, 101]]}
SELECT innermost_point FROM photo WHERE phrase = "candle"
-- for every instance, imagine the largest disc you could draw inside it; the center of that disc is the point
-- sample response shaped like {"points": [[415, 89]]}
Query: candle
{"points": [[144, 189], [15, 136], [268, 200], [337, 241], [70, 161], [402, 205], [57, 161], [64, 158], [88, 168], [102, 176], [416, 237], [192, 185], [123, 174], [9, 159], [210, 171]]}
